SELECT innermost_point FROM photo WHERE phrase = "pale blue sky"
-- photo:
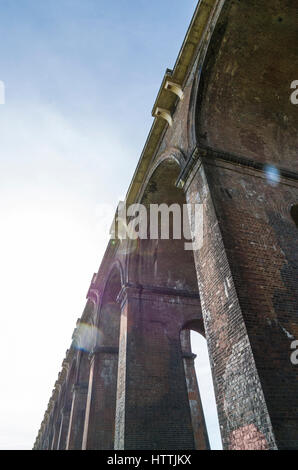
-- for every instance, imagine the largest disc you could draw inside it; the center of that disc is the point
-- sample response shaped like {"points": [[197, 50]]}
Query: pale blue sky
{"points": [[81, 77]]}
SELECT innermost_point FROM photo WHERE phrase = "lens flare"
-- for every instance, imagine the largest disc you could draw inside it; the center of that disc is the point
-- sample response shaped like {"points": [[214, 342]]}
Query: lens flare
{"points": [[272, 174], [86, 337]]}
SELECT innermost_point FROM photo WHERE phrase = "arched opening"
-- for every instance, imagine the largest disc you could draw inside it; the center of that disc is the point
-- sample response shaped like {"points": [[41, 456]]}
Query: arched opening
{"points": [[80, 388], [241, 54], [54, 427], [294, 214], [200, 388], [66, 406], [60, 414], [163, 260], [206, 389], [109, 315]]}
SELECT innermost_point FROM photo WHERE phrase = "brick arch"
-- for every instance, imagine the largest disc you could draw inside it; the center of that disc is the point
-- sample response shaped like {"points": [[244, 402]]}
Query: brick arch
{"points": [[115, 269], [109, 310], [66, 402], [201, 384], [101, 405], [79, 397], [163, 263], [55, 427], [243, 104], [172, 153], [70, 381], [197, 414], [195, 324]]}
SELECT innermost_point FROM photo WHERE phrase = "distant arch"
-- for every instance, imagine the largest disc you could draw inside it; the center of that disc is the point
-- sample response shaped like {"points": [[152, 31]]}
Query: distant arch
{"points": [[164, 262], [109, 309], [99, 429], [171, 154], [243, 118]]}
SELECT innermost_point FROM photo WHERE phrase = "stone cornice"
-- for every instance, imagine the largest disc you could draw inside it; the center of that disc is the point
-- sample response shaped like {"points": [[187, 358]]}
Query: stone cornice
{"points": [[211, 156], [155, 293], [93, 292], [55, 393]]}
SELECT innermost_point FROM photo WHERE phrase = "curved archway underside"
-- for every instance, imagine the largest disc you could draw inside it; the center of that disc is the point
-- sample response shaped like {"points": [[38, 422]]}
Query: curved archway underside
{"points": [[245, 106]]}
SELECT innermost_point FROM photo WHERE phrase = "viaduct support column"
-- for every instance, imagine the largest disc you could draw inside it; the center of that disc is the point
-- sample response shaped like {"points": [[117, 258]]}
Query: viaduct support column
{"points": [[77, 417], [65, 416], [56, 433], [100, 413], [153, 409], [242, 410]]}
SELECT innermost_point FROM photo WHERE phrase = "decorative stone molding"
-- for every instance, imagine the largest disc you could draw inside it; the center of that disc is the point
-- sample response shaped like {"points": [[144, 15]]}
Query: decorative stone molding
{"points": [[186, 171], [190, 356], [58, 386], [65, 365], [162, 294], [165, 114], [174, 88], [93, 292]]}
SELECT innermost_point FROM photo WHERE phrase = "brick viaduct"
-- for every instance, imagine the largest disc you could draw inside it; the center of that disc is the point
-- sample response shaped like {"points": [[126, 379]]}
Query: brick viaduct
{"points": [[221, 114]]}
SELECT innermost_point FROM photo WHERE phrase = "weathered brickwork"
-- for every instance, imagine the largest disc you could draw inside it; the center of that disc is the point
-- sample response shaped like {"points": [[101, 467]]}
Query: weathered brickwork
{"points": [[260, 240], [250, 65], [128, 379], [238, 391]]}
